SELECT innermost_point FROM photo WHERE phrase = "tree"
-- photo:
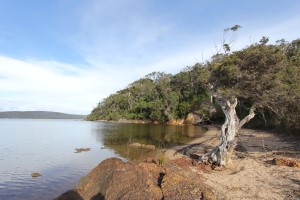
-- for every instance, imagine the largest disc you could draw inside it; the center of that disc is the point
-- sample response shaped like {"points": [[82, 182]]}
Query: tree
{"points": [[261, 81], [229, 38], [264, 40], [190, 87], [253, 74]]}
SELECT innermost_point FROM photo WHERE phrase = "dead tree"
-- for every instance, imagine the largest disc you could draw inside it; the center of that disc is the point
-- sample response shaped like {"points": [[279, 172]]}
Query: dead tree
{"points": [[222, 153]]}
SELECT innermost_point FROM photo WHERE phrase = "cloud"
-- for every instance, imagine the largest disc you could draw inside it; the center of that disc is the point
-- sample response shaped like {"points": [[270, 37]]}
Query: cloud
{"points": [[55, 86], [119, 42], [51, 85], [116, 32]]}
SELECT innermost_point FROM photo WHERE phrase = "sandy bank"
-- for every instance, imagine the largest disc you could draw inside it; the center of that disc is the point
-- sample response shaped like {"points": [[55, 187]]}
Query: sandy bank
{"points": [[252, 173], [211, 135]]}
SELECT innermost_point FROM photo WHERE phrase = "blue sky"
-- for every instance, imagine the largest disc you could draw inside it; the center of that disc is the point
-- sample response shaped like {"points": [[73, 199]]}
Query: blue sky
{"points": [[67, 55]]}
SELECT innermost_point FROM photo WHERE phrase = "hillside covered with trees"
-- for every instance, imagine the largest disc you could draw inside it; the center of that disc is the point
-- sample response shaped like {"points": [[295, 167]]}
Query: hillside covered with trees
{"points": [[261, 76], [38, 115]]}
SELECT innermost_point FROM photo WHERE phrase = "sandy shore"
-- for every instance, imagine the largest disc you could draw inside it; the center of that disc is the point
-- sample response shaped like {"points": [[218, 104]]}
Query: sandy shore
{"points": [[252, 173], [199, 144]]}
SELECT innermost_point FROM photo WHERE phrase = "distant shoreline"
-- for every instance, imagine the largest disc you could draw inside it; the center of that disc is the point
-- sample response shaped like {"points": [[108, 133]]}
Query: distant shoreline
{"points": [[38, 115]]}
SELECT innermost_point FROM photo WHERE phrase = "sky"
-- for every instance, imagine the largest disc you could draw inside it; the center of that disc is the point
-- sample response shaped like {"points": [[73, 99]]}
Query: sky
{"points": [[67, 55]]}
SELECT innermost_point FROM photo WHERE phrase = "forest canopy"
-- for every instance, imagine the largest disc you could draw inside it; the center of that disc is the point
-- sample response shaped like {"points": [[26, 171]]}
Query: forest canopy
{"points": [[264, 75]]}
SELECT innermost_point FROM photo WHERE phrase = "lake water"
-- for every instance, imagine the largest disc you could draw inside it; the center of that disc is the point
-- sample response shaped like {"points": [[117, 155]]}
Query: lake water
{"points": [[47, 147]]}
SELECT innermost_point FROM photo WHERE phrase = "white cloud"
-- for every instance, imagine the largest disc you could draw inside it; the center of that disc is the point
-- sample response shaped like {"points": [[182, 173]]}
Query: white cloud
{"points": [[56, 86], [117, 33], [120, 43], [50, 85]]}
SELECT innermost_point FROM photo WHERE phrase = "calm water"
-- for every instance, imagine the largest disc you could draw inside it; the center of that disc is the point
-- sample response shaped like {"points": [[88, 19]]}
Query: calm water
{"points": [[47, 147]]}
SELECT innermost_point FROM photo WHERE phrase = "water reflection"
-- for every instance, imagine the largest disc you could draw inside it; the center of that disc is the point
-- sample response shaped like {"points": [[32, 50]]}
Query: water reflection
{"points": [[47, 147], [117, 136]]}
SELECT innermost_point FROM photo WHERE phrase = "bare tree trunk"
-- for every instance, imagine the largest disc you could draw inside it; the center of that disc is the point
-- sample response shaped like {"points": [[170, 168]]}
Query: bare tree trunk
{"points": [[221, 154]]}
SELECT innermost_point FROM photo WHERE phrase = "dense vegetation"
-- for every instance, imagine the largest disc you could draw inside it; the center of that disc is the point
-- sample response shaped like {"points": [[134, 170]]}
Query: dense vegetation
{"points": [[156, 97], [264, 75]]}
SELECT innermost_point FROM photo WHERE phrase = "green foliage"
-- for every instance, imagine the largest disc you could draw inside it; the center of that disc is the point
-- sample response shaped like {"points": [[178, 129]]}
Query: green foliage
{"points": [[261, 74], [235, 27], [158, 97], [264, 40], [161, 158], [266, 76]]}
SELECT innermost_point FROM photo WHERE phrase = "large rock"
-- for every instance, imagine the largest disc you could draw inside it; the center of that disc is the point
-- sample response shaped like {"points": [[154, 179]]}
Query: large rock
{"points": [[180, 183], [115, 179], [193, 118]]}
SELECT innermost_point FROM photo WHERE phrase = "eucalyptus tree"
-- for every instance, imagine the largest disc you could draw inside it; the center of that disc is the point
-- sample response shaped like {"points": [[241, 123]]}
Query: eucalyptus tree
{"points": [[254, 74], [165, 104]]}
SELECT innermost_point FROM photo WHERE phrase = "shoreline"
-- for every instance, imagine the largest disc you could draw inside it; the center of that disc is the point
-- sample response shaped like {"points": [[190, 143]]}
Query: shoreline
{"points": [[265, 165], [211, 133], [252, 173]]}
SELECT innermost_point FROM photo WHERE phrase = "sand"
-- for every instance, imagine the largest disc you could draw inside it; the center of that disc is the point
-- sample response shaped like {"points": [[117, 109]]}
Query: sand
{"points": [[251, 173]]}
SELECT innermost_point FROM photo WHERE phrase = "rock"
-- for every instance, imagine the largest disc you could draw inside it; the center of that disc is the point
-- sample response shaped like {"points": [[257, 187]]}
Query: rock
{"points": [[130, 121], [181, 185], [115, 179], [195, 156], [187, 162], [145, 146], [294, 195], [193, 118], [72, 195], [79, 150], [286, 162], [176, 122], [172, 154], [34, 175], [150, 160]]}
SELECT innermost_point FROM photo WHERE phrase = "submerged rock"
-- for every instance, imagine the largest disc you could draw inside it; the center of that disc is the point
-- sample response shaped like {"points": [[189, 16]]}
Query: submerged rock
{"points": [[145, 146], [34, 175], [79, 150], [115, 179]]}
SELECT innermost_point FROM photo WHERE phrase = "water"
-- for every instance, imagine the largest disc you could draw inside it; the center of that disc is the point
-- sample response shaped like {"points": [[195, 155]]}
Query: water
{"points": [[47, 147]]}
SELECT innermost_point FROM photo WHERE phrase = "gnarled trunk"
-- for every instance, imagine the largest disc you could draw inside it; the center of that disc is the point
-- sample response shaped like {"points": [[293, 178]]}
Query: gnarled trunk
{"points": [[222, 153]]}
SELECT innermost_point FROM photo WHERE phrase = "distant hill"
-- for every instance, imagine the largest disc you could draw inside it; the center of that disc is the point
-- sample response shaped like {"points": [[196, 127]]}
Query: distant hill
{"points": [[38, 115]]}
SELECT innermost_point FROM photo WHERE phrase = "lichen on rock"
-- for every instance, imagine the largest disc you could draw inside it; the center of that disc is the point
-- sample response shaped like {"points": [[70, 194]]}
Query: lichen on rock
{"points": [[116, 179]]}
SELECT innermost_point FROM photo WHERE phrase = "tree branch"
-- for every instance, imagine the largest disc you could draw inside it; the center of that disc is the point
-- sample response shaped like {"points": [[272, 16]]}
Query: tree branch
{"points": [[247, 118]]}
